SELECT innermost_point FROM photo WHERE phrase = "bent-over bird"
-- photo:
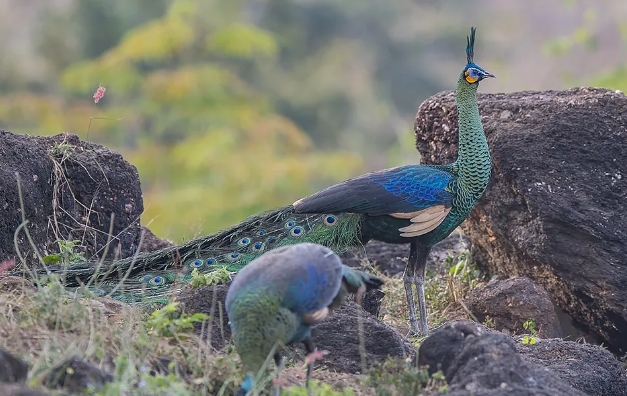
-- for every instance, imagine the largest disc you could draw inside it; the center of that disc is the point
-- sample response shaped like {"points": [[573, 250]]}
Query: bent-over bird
{"points": [[415, 204], [274, 300]]}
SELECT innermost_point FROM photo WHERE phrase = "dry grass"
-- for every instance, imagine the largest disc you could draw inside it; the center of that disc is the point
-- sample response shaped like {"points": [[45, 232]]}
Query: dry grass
{"points": [[48, 326], [444, 290]]}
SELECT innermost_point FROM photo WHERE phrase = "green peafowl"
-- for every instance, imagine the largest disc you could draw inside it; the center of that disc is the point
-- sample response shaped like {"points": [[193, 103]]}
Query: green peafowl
{"points": [[275, 299], [415, 204]]}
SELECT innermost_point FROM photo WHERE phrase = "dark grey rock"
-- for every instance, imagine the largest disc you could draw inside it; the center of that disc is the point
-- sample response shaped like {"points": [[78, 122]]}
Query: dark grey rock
{"points": [[12, 368], [77, 375], [87, 182], [476, 361], [509, 303], [340, 335], [589, 368], [391, 259]]}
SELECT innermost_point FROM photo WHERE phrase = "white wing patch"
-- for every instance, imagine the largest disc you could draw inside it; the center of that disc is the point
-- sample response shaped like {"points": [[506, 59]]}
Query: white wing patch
{"points": [[423, 221], [316, 317]]}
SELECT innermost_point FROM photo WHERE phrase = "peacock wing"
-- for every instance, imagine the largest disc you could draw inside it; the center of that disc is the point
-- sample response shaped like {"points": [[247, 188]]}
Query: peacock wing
{"points": [[419, 193]]}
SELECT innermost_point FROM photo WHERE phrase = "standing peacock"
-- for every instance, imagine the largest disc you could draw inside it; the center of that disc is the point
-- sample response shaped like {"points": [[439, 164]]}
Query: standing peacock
{"points": [[416, 204], [275, 299]]}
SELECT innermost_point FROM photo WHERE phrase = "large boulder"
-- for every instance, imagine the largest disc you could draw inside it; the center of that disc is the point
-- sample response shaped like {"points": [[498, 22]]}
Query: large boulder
{"points": [[478, 361], [70, 189], [510, 303], [555, 207], [589, 368]]}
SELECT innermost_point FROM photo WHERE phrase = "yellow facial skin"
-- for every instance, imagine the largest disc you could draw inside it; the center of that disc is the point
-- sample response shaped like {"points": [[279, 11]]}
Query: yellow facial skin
{"points": [[470, 79]]}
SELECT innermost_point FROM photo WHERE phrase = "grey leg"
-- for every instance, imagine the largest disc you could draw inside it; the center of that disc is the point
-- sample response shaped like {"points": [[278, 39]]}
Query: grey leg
{"points": [[309, 348], [419, 280], [409, 278]]}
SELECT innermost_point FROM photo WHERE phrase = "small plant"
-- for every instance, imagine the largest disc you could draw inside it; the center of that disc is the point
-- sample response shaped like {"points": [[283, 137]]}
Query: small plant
{"points": [[219, 276], [489, 322], [66, 254], [530, 326], [397, 377], [318, 389], [170, 322], [56, 307], [61, 151]]}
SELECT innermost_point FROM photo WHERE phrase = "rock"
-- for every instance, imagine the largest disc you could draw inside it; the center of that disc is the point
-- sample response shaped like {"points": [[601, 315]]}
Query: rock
{"points": [[150, 242], [511, 302], [338, 333], [15, 284], [476, 361], [589, 368], [87, 182], [391, 259], [77, 375], [554, 209], [18, 390], [208, 300], [12, 369]]}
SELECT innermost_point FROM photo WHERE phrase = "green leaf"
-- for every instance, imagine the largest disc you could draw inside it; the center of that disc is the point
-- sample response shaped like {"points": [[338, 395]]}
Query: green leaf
{"points": [[52, 258]]}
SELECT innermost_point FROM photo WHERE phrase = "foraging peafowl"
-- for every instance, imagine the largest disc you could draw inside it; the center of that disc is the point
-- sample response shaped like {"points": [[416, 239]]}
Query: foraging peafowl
{"points": [[416, 204], [275, 299]]}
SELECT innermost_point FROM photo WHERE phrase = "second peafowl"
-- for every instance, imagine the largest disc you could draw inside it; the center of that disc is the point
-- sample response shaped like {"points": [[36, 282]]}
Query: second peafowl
{"points": [[275, 299], [418, 205]]}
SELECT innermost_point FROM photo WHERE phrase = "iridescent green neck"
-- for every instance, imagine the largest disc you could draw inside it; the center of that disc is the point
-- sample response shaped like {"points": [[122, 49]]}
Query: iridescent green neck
{"points": [[258, 321], [473, 156]]}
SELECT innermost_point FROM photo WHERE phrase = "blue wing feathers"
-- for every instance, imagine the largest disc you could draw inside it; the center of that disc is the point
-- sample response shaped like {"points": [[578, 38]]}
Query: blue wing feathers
{"points": [[403, 189], [420, 186]]}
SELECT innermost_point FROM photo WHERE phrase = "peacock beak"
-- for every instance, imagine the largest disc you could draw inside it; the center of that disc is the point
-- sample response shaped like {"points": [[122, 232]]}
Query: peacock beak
{"points": [[485, 74]]}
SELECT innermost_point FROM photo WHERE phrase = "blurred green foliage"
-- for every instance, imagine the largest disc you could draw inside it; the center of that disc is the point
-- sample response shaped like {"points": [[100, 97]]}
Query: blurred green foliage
{"points": [[210, 147], [231, 108], [226, 108]]}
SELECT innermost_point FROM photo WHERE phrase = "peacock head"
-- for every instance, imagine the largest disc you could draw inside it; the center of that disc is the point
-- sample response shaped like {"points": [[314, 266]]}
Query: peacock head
{"points": [[473, 73], [246, 386]]}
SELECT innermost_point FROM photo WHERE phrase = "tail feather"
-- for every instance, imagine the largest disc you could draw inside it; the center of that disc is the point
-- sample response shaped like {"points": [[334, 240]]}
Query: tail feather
{"points": [[150, 276]]}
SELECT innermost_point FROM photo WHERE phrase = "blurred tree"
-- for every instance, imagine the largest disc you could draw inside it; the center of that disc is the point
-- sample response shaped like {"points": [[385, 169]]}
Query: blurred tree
{"points": [[210, 148]]}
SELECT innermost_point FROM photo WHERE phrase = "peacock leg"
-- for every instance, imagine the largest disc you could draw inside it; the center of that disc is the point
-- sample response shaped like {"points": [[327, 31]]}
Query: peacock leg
{"points": [[278, 361], [419, 279], [409, 277], [309, 348]]}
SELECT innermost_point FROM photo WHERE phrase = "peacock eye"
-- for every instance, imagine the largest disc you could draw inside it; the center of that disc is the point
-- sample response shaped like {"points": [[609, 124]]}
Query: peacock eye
{"points": [[233, 256], [473, 73], [157, 280], [196, 263], [258, 247], [297, 231], [330, 220], [243, 242]]}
